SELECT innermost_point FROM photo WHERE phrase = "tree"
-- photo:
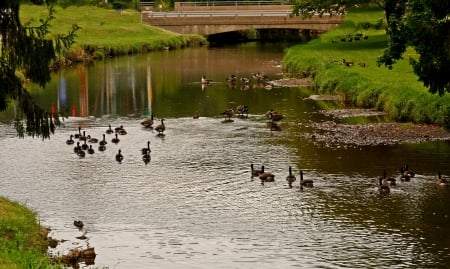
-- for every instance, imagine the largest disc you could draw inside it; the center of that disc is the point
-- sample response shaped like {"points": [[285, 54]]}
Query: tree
{"points": [[423, 25], [26, 54]]}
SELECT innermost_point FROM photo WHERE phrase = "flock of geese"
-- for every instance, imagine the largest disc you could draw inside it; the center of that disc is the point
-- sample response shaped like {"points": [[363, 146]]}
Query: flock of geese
{"points": [[260, 79], [84, 143], [385, 182]]}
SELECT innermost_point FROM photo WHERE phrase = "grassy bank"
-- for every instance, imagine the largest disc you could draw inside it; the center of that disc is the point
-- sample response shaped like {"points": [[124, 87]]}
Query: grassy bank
{"points": [[22, 240], [105, 32], [396, 91]]}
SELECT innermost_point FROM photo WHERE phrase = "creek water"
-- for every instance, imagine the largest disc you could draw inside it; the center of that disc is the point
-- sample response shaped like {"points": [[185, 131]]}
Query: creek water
{"points": [[195, 205]]}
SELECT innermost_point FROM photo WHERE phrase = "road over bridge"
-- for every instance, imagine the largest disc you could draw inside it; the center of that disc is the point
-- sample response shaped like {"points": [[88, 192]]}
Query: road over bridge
{"points": [[208, 20]]}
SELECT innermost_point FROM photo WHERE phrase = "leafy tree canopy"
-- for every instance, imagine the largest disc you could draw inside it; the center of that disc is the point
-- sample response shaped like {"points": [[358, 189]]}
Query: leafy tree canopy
{"points": [[27, 51], [423, 25]]}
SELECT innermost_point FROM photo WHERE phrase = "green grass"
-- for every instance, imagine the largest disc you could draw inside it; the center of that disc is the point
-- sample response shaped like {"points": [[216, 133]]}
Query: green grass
{"points": [[22, 240], [105, 31], [397, 92]]}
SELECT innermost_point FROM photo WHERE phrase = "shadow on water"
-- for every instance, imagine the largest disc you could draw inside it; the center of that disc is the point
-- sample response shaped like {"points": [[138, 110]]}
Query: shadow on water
{"points": [[194, 204]]}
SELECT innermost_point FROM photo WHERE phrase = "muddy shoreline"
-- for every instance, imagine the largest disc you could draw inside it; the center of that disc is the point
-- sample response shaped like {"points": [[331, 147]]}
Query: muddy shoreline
{"points": [[334, 133]]}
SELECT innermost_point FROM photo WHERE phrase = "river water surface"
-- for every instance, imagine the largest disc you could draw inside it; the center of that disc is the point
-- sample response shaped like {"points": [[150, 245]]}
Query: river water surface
{"points": [[195, 204]]}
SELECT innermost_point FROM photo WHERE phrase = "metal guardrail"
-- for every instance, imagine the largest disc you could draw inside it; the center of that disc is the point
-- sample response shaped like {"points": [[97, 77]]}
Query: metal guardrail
{"points": [[246, 13], [223, 3], [234, 3]]}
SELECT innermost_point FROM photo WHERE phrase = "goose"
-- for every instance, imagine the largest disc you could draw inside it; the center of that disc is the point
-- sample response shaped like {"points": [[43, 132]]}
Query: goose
{"points": [[83, 136], [305, 182], [119, 156], [196, 116], [161, 127], [77, 135], [103, 141], [241, 110], [442, 181], [231, 78], [290, 178], [273, 115], [117, 129], [109, 130], [77, 148], [81, 153], [115, 139], [205, 81], [70, 141], [347, 63], [146, 158], [245, 80], [78, 223], [91, 139], [148, 122], [266, 176], [255, 172], [84, 146], [383, 188], [407, 172], [122, 132], [101, 147], [228, 114], [91, 150], [388, 180], [147, 149]]}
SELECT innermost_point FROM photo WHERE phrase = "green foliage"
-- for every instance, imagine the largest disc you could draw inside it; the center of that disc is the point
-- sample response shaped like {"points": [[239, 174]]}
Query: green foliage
{"points": [[27, 49], [22, 241], [398, 92], [423, 25]]}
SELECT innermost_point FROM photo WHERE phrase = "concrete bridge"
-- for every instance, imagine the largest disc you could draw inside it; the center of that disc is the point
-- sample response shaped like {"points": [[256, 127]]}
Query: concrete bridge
{"points": [[208, 19]]}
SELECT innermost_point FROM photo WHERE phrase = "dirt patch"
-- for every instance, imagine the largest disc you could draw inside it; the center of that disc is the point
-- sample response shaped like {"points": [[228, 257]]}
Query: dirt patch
{"points": [[331, 133]]}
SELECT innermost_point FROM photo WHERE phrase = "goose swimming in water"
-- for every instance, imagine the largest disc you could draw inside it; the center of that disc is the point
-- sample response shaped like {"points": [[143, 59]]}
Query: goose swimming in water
{"points": [[103, 141], [70, 141], [305, 182], [255, 172], [119, 156], [147, 149], [266, 176], [290, 177], [109, 130], [148, 122], [205, 80], [442, 181], [161, 127], [115, 139]]}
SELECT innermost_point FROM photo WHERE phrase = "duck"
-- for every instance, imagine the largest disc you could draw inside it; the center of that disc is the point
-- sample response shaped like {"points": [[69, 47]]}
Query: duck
{"points": [[266, 176], [115, 139], [228, 114], [109, 130], [119, 156], [78, 223], [388, 180], [305, 182], [77, 148], [70, 141], [161, 127], [383, 188], [148, 122], [255, 172], [147, 149], [77, 135], [245, 81], [205, 80], [91, 139], [103, 141], [442, 181], [91, 150], [242, 110], [290, 177]]}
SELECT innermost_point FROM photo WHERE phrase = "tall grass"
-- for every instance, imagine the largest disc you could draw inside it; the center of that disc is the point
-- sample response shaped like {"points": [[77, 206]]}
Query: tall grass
{"points": [[108, 32], [397, 92], [22, 240]]}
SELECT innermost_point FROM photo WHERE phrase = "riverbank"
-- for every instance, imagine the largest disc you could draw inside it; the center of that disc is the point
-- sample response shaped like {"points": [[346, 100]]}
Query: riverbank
{"points": [[107, 33], [360, 40], [23, 242]]}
